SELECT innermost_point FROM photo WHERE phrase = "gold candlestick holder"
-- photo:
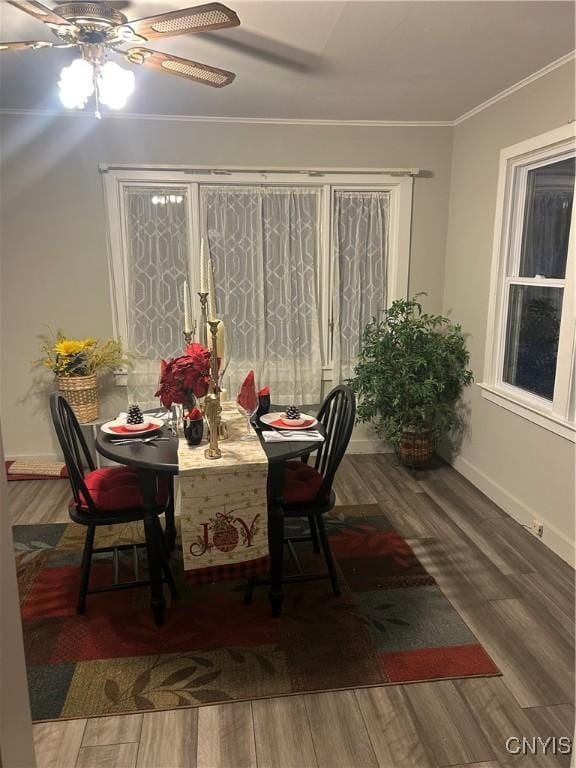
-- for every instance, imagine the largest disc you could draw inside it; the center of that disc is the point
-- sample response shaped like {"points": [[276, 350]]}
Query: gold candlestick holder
{"points": [[212, 405], [189, 335], [203, 317]]}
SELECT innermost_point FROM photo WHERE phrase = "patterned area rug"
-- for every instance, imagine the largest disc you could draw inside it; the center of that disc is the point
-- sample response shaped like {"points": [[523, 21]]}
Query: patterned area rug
{"points": [[392, 624]]}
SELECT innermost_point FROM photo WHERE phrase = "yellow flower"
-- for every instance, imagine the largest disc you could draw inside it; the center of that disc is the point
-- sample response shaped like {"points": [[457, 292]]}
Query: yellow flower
{"points": [[68, 347]]}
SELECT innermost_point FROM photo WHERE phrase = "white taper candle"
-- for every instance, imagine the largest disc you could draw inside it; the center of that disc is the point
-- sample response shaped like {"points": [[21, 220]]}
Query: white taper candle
{"points": [[187, 312], [220, 342], [203, 283], [212, 293]]}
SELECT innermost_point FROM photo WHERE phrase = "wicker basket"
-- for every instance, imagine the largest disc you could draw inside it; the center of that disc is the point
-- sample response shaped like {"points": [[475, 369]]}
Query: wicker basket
{"points": [[415, 449], [82, 394]]}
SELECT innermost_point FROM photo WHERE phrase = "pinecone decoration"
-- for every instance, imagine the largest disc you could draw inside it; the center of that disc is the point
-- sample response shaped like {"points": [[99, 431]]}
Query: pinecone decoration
{"points": [[135, 415], [292, 412]]}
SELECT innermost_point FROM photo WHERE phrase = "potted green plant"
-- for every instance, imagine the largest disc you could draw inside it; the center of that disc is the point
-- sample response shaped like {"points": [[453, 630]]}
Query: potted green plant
{"points": [[411, 371]]}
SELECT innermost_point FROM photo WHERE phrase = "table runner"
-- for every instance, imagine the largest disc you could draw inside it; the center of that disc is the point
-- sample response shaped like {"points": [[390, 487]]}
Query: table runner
{"points": [[223, 507]]}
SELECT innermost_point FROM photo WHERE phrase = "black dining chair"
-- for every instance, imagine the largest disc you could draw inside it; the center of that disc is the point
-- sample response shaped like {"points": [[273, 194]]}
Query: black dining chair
{"points": [[307, 489], [111, 496]]}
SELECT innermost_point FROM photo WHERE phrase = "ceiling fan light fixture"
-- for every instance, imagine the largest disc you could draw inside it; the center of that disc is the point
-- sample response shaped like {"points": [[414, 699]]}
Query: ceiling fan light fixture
{"points": [[98, 29], [76, 84], [115, 85]]}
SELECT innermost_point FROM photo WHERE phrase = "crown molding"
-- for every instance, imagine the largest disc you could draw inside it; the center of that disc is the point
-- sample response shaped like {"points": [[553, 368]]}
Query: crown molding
{"points": [[54, 113], [516, 87], [235, 120]]}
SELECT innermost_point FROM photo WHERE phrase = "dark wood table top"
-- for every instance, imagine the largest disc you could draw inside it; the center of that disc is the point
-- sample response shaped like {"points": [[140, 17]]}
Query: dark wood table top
{"points": [[158, 457], [163, 456]]}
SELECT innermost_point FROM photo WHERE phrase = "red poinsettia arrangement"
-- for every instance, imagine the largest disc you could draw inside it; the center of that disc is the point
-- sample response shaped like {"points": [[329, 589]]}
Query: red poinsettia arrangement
{"points": [[184, 378]]}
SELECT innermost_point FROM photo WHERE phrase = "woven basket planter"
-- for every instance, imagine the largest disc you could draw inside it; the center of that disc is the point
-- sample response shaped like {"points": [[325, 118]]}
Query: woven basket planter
{"points": [[415, 449], [82, 394]]}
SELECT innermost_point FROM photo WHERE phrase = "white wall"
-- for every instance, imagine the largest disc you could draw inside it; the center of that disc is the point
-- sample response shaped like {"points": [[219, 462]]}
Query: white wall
{"points": [[53, 229], [526, 469]]}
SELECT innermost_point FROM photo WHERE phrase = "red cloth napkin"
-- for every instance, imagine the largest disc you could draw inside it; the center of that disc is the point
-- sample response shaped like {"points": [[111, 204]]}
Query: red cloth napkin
{"points": [[264, 392], [247, 395], [121, 429], [290, 424]]}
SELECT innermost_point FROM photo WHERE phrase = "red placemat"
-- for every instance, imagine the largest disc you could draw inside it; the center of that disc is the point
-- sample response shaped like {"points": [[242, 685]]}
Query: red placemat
{"points": [[289, 425], [146, 427]]}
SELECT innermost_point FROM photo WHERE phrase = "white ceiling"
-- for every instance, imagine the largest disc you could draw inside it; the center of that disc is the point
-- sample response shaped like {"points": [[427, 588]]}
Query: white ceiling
{"points": [[397, 61]]}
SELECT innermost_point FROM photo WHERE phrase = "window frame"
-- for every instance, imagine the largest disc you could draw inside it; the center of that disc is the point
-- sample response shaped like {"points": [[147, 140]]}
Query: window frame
{"points": [[516, 162], [400, 188]]}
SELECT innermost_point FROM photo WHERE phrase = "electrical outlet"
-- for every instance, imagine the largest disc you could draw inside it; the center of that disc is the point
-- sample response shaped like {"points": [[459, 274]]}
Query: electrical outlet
{"points": [[537, 528]]}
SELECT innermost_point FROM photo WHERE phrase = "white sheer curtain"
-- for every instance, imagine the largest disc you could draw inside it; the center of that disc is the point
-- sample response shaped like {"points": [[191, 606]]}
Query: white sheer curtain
{"points": [[157, 242], [263, 247], [360, 233]]}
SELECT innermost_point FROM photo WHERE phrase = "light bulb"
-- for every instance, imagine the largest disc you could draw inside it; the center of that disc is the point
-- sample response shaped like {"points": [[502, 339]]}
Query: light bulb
{"points": [[114, 85], [76, 84]]}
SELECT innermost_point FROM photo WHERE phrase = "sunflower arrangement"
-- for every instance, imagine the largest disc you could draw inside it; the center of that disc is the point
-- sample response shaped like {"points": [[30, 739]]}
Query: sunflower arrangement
{"points": [[80, 357]]}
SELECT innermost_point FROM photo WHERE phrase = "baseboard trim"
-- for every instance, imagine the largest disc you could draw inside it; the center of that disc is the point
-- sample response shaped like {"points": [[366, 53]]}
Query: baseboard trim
{"points": [[104, 462], [367, 445], [35, 457], [553, 537]]}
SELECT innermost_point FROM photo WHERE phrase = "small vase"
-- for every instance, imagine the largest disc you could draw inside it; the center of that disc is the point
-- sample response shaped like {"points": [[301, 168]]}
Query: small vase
{"points": [[193, 431], [182, 411], [263, 407]]}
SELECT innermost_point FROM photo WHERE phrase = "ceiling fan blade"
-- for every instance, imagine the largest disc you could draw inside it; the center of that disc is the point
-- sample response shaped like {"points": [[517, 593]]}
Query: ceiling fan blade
{"points": [[174, 65], [197, 19], [26, 45], [42, 13]]}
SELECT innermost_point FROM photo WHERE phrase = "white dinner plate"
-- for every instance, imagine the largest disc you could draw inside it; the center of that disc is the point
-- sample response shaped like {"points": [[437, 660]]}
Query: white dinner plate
{"points": [[156, 424], [270, 418]]}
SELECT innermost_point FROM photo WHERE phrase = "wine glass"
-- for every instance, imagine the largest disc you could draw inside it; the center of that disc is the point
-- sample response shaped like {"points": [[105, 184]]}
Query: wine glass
{"points": [[176, 421], [247, 413]]}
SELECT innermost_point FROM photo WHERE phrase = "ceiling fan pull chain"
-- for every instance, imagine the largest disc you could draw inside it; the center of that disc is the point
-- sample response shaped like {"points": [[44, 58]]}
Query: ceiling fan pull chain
{"points": [[97, 113]]}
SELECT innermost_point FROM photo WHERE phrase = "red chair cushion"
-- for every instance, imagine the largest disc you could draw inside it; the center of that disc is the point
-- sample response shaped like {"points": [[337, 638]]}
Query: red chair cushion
{"points": [[116, 488], [301, 483]]}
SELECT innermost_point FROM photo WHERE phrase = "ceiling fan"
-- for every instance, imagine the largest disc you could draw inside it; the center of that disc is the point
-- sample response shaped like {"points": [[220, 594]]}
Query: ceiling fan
{"points": [[99, 28]]}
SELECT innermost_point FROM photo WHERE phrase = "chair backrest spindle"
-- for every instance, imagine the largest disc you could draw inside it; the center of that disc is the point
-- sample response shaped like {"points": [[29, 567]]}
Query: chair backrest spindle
{"points": [[337, 414], [74, 447]]}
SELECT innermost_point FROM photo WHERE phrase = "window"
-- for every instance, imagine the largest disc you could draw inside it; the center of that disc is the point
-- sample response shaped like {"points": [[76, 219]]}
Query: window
{"points": [[530, 343], [300, 264]]}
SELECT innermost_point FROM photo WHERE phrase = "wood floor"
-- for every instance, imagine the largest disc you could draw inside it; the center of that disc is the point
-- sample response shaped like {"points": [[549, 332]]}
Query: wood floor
{"points": [[516, 596]]}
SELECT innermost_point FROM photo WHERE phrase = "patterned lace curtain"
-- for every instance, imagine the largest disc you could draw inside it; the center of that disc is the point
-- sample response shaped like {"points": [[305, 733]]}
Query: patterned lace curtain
{"points": [[157, 251], [263, 247], [360, 230]]}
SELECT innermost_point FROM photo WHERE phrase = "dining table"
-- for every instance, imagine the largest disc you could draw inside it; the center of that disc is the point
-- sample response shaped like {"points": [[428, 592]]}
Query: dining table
{"points": [[159, 460]]}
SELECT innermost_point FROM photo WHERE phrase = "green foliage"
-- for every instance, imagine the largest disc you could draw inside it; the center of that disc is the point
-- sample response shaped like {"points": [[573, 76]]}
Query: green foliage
{"points": [[411, 371]]}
